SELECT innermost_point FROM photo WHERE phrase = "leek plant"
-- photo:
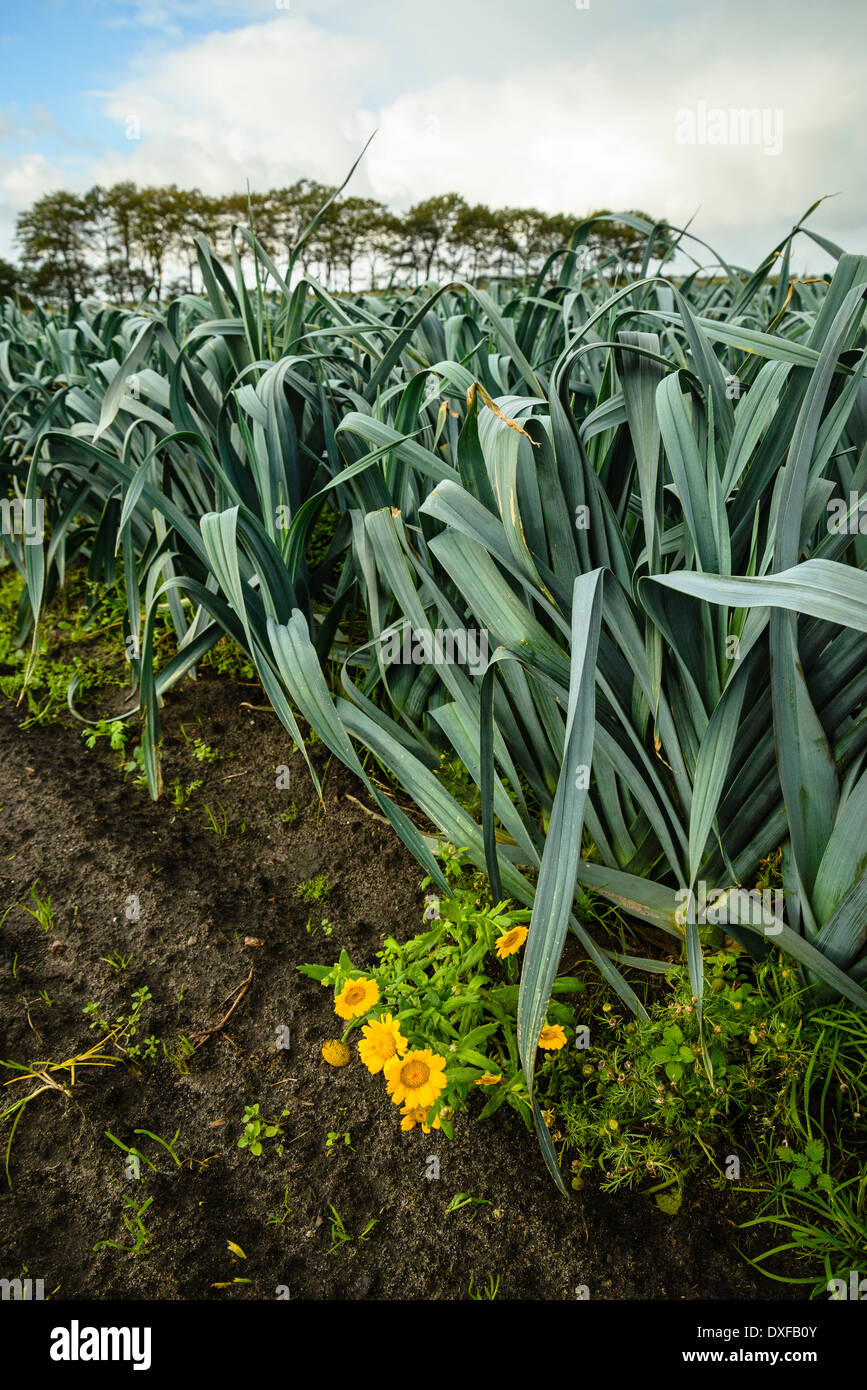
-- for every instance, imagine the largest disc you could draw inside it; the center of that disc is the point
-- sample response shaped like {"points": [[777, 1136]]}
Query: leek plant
{"points": [[626, 485]]}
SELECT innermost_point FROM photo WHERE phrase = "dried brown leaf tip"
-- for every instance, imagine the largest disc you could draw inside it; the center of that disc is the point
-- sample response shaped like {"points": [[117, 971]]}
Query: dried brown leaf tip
{"points": [[495, 410]]}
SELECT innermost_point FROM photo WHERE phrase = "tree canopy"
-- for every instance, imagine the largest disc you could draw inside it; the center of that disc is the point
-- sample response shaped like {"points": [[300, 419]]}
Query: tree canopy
{"points": [[126, 241]]}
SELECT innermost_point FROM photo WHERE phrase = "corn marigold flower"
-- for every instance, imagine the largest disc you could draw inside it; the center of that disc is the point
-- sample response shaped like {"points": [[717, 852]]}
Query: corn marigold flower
{"points": [[552, 1037], [489, 1079], [511, 941], [418, 1078], [381, 1039], [356, 997], [417, 1115], [335, 1052]]}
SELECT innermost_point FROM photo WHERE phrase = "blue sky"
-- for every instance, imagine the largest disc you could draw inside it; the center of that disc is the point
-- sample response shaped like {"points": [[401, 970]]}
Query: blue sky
{"points": [[566, 104]]}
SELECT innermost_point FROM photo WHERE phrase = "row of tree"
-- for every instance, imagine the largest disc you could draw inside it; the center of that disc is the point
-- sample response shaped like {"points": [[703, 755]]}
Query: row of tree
{"points": [[124, 241]]}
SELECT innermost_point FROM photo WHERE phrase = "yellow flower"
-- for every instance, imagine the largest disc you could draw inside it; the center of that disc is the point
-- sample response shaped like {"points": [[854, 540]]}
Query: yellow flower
{"points": [[381, 1040], [489, 1080], [552, 1037], [511, 941], [417, 1115], [335, 1052], [356, 997], [418, 1078]]}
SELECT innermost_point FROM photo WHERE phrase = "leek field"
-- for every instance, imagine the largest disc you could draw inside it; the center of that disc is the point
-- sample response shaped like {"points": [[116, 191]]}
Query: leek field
{"points": [[448, 709]]}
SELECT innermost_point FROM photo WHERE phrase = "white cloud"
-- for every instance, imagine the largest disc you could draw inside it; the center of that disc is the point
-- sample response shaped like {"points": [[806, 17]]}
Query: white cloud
{"points": [[22, 181], [270, 102], [591, 125], [580, 137]]}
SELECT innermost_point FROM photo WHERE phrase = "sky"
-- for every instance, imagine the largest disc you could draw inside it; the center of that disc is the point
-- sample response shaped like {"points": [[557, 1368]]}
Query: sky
{"points": [[567, 105]]}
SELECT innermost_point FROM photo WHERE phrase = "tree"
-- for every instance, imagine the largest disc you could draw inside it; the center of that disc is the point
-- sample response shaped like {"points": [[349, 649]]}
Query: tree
{"points": [[613, 238], [325, 243], [196, 215], [160, 230], [384, 242], [10, 279], [427, 228], [532, 235], [118, 212], [484, 236], [296, 208], [358, 221], [125, 240], [57, 238], [555, 234]]}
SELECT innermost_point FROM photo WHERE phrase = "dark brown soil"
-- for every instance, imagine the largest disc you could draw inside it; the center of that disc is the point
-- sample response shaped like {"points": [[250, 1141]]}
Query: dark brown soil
{"points": [[68, 819]]}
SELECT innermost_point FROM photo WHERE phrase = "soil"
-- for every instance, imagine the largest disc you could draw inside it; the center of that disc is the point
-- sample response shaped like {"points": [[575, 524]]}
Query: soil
{"points": [[93, 841]]}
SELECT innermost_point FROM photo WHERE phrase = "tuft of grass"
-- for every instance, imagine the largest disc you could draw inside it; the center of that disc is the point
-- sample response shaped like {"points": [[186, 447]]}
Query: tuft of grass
{"points": [[41, 911]]}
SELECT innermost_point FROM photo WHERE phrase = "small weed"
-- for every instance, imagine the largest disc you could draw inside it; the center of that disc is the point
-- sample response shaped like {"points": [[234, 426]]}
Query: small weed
{"points": [[314, 890], [487, 1291], [257, 1129], [126, 1026], [333, 1140], [463, 1199], [218, 827], [47, 1073], [228, 659], [167, 1144], [114, 730], [325, 926], [201, 750], [130, 1151], [181, 794], [132, 1219], [180, 1054], [42, 912], [282, 1215], [804, 1167], [339, 1234], [117, 961], [136, 764]]}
